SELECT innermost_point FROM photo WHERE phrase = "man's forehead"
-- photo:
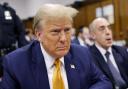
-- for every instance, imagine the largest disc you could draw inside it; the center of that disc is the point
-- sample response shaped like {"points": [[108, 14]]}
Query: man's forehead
{"points": [[102, 22], [62, 22]]}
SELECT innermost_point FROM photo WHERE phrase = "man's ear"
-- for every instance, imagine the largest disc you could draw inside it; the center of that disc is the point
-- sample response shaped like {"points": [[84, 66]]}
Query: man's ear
{"points": [[38, 34], [93, 35]]}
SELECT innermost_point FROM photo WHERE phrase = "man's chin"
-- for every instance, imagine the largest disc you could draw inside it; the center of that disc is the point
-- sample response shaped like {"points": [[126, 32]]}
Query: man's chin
{"points": [[108, 45], [61, 53]]}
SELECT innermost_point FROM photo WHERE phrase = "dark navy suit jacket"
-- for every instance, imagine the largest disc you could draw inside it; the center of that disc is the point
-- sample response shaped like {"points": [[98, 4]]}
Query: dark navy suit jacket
{"points": [[121, 59], [76, 41], [25, 69]]}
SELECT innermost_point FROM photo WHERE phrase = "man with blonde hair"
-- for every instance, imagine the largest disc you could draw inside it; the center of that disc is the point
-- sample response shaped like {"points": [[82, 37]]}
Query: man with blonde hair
{"points": [[51, 62]]}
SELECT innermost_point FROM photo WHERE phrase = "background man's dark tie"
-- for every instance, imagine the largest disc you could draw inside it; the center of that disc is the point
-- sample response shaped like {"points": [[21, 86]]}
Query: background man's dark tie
{"points": [[115, 73]]}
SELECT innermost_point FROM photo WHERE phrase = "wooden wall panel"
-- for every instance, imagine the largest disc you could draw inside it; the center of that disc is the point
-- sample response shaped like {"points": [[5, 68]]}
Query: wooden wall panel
{"points": [[89, 15], [123, 4], [80, 19], [117, 29]]}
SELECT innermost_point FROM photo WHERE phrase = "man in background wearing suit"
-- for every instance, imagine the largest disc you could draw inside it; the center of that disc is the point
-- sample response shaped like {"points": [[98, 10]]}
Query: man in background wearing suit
{"points": [[111, 59], [83, 37], [51, 62]]}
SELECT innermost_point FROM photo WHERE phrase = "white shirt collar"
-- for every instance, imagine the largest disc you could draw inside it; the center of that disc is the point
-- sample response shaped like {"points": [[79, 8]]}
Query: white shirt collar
{"points": [[81, 41], [102, 50], [49, 60]]}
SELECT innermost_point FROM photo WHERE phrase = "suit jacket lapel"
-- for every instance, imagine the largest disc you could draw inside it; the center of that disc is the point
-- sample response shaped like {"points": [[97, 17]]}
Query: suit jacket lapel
{"points": [[39, 69], [119, 62], [72, 73], [98, 58], [40, 73]]}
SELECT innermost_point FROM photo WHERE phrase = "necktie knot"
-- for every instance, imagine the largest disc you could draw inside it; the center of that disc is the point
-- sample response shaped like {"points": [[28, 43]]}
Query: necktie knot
{"points": [[107, 54], [57, 63]]}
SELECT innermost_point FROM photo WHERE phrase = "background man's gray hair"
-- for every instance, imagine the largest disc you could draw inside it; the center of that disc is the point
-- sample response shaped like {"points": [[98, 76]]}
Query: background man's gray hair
{"points": [[92, 25], [54, 11]]}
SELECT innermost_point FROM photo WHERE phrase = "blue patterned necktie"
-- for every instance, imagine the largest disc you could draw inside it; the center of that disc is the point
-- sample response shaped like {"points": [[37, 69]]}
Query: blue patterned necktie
{"points": [[115, 73]]}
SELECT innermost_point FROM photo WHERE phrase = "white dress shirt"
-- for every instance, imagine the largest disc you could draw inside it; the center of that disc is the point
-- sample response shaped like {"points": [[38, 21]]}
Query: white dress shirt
{"points": [[82, 43], [103, 51], [49, 61]]}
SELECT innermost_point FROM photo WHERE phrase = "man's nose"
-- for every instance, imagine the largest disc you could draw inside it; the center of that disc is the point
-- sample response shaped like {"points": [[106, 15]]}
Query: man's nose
{"points": [[107, 30], [62, 36]]}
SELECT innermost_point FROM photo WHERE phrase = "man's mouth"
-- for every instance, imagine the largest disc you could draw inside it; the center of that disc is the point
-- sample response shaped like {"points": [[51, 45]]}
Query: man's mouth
{"points": [[108, 39], [62, 48]]}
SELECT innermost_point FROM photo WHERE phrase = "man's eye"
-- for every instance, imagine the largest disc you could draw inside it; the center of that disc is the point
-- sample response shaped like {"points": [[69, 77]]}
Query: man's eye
{"points": [[102, 28], [109, 27], [55, 31], [67, 30]]}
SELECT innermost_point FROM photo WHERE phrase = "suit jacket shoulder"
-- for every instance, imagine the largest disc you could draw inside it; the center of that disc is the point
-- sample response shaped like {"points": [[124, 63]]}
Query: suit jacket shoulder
{"points": [[25, 69], [121, 50]]}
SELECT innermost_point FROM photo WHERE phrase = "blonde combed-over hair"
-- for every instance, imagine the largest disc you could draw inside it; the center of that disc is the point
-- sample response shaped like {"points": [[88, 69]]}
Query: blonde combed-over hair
{"points": [[53, 11]]}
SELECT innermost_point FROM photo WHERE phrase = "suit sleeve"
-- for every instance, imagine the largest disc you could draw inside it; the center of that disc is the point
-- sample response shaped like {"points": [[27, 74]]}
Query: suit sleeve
{"points": [[8, 79]]}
